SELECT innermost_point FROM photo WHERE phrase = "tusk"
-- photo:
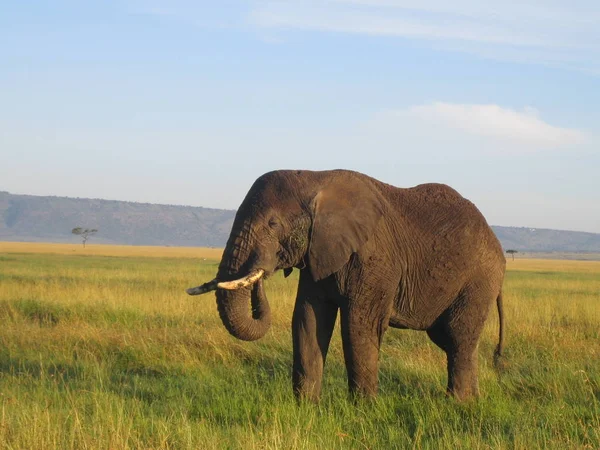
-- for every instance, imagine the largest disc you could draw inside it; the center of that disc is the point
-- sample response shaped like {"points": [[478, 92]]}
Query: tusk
{"points": [[203, 288], [246, 281]]}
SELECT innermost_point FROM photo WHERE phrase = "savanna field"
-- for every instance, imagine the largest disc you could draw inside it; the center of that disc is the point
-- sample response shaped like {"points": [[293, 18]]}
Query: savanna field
{"points": [[101, 348]]}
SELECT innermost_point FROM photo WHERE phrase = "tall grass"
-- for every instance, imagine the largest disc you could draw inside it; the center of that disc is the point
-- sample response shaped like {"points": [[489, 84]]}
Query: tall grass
{"points": [[100, 351]]}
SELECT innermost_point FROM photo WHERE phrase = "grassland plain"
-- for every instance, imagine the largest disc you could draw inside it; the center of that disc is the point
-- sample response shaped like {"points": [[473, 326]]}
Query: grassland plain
{"points": [[102, 348]]}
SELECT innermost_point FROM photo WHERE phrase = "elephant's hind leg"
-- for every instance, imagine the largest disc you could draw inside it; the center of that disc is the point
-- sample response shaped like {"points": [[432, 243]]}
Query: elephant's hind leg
{"points": [[457, 332]]}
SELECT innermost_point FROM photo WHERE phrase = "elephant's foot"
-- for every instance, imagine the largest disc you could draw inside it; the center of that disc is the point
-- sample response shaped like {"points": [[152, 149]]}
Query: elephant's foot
{"points": [[463, 381], [306, 390], [463, 393], [360, 393]]}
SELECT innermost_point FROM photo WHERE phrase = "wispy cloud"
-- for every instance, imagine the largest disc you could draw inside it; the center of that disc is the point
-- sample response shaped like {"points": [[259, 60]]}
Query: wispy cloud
{"points": [[375, 22], [493, 126], [500, 123], [549, 32]]}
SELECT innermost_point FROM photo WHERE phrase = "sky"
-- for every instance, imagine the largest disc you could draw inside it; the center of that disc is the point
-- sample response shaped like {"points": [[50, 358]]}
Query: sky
{"points": [[188, 102]]}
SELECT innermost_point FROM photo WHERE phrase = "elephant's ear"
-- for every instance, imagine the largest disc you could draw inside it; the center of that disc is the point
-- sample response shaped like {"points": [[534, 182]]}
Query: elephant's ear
{"points": [[345, 216]]}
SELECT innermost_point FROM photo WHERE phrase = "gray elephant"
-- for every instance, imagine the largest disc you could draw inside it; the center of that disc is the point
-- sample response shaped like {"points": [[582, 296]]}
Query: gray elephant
{"points": [[422, 258]]}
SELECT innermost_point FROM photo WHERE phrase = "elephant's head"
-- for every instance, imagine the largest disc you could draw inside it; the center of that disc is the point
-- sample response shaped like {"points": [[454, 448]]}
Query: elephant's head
{"points": [[303, 219]]}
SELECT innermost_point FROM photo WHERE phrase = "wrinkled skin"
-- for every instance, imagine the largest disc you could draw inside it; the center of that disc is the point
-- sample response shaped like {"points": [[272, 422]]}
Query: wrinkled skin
{"points": [[422, 258]]}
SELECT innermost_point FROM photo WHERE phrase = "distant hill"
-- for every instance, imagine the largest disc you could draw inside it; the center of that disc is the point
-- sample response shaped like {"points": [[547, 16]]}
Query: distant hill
{"points": [[51, 219], [545, 240]]}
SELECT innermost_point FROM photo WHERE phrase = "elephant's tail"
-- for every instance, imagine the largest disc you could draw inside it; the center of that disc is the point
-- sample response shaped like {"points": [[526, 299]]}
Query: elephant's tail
{"points": [[500, 346]]}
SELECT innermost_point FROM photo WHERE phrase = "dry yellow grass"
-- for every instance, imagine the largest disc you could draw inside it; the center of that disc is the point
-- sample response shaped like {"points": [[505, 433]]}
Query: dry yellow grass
{"points": [[553, 265], [111, 250]]}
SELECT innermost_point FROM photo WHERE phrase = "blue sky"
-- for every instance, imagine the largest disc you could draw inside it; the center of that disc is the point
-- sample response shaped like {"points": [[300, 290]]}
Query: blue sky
{"points": [[187, 102]]}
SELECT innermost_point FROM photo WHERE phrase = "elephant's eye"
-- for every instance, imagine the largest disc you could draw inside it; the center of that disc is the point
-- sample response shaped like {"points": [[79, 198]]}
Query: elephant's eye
{"points": [[273, 222]]}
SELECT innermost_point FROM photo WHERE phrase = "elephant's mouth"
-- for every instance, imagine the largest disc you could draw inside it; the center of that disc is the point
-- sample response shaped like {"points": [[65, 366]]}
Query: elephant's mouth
{"points": [[232, 285]]}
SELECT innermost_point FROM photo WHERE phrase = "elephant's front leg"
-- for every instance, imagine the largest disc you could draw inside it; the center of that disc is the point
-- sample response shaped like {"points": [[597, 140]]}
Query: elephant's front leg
{"points": [[362, 333], [312, 326]]}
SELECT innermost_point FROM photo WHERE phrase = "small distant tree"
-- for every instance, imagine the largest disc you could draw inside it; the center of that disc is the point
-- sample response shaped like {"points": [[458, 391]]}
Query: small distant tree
{"points": [[85, 233], [512, 253]]}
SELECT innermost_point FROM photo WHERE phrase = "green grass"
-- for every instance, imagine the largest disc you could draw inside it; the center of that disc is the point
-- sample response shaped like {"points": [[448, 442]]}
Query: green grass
{"points": [[109, 352]]}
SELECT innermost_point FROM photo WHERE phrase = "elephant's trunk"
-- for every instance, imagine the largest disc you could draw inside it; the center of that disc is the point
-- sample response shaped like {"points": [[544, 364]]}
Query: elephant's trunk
{"points": [[244, 321], [238, 319]]}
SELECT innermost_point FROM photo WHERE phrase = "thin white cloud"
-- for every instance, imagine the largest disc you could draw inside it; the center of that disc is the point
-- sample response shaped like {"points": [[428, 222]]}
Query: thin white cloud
{"points": [[343, 20], [549, 32], [574, 13], [500, 123], [493, 126]]}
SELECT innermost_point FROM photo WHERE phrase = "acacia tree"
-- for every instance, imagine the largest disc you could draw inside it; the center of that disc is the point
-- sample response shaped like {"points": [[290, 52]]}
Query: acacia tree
{"points": [[85, 233], [512, 253]]}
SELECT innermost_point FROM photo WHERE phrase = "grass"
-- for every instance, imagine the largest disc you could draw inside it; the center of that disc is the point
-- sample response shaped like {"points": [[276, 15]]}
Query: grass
{"points": [[103, 349], [111, 250]]}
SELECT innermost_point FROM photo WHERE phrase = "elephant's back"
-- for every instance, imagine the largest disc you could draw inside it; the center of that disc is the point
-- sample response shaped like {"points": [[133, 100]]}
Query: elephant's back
{"points": [[438, 208], [451, 228]]}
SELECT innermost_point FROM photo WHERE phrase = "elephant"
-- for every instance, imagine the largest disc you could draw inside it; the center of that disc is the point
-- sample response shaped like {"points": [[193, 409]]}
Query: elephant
{"points": [[421, 258]]}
